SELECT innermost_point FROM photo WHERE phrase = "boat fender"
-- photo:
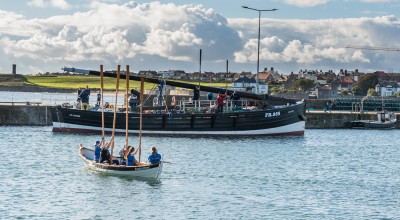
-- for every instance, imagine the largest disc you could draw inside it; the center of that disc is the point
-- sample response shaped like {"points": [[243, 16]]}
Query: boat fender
{"points": [[302, 117], [173, 101]]}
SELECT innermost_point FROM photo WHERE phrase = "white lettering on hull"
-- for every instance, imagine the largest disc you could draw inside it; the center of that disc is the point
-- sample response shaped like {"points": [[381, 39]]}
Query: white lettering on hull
{"points": [[272, 114]]}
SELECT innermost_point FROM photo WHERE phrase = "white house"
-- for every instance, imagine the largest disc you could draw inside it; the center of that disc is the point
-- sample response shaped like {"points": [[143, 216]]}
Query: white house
{"points": [[244, 84], [387, 88]]}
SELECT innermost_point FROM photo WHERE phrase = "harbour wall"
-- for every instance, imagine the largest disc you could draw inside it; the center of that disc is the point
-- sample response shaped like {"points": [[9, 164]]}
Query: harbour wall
{"points": [[336, 119], [39, 115], [32, 115]]}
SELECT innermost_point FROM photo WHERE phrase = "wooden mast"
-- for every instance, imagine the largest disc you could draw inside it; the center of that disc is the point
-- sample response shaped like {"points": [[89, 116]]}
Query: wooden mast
{"points": [[141, 116], [127, 107], [102, 99], [226, 76], [115, 113]]}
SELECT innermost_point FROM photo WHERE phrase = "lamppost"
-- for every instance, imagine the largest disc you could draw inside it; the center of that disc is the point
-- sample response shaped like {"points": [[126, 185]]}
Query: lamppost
{"points": [[259, 30]]}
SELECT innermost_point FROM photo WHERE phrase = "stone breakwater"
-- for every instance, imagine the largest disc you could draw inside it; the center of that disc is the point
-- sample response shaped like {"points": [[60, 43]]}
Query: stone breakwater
{"points": [[39, 115]]}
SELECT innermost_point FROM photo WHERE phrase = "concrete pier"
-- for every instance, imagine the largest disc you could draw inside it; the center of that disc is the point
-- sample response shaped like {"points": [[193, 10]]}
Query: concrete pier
{"points": [[23, 114], [39, 115], [336, 119]]}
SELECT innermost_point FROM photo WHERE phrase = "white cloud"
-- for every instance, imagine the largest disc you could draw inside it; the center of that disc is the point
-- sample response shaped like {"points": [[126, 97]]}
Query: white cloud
{"points": [[123, 32], [306, 3], [168, 36], [60, 4], [37, 3], [315, 43]]}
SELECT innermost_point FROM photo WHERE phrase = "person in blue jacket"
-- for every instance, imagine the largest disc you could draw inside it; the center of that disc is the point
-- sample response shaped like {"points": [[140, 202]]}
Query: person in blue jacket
{"points": [[154, 157], [131, 160], [97, 150]]}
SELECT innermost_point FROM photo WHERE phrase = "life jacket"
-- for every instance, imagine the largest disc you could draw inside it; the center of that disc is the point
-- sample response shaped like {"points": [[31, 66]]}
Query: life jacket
{"points": [[154, 158], [131, 160], [97, 151]]}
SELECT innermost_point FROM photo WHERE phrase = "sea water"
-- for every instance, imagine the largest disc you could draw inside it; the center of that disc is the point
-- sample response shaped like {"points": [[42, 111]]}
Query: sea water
{"points": [[45, 98], [326, 174]]}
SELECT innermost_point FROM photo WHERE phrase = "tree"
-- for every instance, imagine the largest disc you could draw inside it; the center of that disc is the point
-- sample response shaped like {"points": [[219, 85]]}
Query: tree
{"points": [[372, 92], [275, 89], [356, 90], [303, 84], [330, 79], [366, 82]]}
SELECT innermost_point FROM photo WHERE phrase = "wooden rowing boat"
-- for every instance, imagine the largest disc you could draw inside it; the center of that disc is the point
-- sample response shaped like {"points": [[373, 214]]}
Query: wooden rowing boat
{"points": [[142, 170]]}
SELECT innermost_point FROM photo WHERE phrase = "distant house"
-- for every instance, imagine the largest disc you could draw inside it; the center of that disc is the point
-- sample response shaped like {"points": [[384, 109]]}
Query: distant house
{"points": [[326, 91], [289, 83], [195, 76], [166, 74], [321, 79], [149, 73], [387, 88], [265, 77], [224, 77], [323, 92], [347, 83], [245, 75], [311, 76], [179, 75], [274, 74], [246, 84]]}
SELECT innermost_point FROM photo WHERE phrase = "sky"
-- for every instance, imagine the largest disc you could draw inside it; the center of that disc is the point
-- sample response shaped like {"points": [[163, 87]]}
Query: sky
{"points": [[46, 35]]}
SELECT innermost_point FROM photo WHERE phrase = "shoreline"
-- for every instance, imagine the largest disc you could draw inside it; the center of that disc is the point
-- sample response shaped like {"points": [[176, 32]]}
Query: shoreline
{"points": [[35, 89]]}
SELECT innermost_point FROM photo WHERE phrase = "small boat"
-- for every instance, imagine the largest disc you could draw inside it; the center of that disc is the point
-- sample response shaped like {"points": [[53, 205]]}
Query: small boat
{"points": [[145, 170], [386, 120], [142, 170]]}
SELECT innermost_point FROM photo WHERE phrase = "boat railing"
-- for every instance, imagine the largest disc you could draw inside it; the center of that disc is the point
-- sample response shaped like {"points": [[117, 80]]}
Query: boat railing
{"points": [[201, 105]]}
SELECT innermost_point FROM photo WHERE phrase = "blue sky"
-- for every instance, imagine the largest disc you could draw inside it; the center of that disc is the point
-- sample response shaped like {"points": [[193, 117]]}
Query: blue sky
{"points": [[232, 9], [45, 35]]}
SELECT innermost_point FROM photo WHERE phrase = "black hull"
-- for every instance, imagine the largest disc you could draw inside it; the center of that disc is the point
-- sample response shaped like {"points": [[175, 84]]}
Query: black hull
{"points": [[289, 120]]}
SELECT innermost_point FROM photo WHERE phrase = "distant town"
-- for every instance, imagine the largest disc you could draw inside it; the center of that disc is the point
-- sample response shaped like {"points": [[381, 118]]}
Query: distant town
{"points": [[308, 83]]}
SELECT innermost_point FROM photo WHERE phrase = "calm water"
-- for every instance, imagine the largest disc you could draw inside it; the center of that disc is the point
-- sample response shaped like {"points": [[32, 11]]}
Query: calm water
{"points": [[327, 174], [56, 98]]}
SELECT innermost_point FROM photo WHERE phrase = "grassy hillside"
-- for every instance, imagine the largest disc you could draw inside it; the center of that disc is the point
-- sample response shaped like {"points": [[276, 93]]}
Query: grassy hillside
{"points": [[12, 80], [74, 82]]}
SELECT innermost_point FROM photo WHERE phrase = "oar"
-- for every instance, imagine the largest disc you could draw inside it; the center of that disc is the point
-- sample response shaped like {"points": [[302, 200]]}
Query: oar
{"points": [[127, 108], [141, 116], [102, 99], [115, 112]]}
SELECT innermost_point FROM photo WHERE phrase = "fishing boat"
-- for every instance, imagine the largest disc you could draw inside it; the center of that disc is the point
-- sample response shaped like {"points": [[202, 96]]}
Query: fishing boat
{"points": [[259, 115], [385, 120], [140, 170]]}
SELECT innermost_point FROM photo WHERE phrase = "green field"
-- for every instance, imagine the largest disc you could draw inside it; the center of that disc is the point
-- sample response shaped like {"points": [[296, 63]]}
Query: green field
{"points": [[74, 82]]}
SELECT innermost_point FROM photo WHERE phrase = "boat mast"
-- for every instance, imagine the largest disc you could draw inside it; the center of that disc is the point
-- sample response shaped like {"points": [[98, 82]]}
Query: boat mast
{"points": [[115, 112], [226, 76], [127, 107], [200, 70], [141, 116]]}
